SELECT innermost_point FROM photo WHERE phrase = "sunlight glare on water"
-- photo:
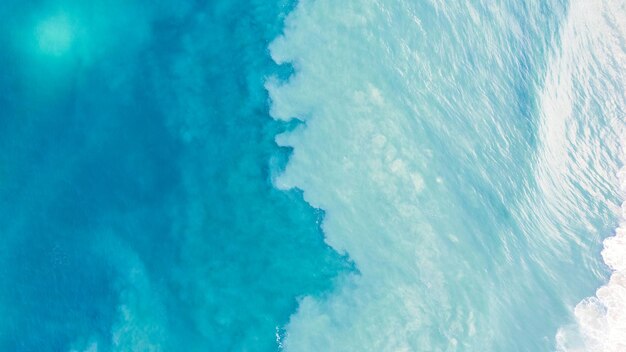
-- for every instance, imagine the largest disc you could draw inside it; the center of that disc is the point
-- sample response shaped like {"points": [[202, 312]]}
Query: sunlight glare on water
{"points": [[55, 35]]}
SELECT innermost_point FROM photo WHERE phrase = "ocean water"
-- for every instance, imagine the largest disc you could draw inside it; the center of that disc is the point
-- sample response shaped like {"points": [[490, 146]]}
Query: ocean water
{"points": [[136, 206], [313, 175]]}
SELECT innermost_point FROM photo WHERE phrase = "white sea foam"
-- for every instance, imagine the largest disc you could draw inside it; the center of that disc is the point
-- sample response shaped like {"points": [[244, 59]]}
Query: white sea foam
{"points": [[583, 122], [413, 151], [414, 148], [601, 319]]}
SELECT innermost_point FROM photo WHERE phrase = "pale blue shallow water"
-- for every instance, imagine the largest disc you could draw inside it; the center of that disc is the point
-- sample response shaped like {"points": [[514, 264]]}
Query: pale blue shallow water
{"points": [[312, 176]]}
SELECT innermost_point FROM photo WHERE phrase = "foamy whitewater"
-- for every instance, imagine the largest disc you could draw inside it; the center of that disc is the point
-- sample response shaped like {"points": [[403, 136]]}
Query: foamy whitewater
{"points": [[313, 175], [466, 155]]}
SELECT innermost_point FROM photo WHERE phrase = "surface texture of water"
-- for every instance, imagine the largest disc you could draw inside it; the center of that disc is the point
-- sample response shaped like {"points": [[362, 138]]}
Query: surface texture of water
{"points": [[363, 175]]}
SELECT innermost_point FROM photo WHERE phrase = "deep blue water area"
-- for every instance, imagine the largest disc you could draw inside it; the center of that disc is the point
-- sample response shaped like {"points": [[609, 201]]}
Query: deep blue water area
{"points": [[136, 164]]}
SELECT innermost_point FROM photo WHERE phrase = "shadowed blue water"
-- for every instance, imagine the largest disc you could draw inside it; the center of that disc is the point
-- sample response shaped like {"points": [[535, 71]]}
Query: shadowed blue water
{"points": [[136, 156]]}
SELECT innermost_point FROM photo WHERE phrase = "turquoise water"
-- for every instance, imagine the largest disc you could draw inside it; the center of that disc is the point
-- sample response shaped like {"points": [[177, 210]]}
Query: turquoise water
{"points": [[135, 205], [312, 175]]}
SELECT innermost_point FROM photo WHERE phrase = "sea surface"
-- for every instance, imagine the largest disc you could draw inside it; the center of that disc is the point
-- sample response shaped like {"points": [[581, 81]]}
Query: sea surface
{"points": [[313, 175]]}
